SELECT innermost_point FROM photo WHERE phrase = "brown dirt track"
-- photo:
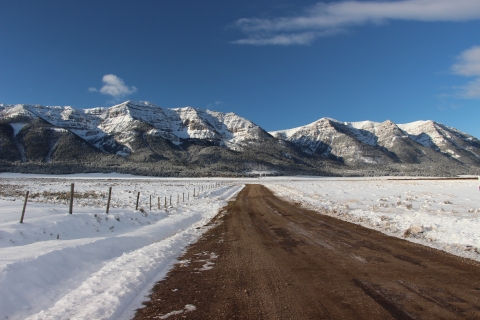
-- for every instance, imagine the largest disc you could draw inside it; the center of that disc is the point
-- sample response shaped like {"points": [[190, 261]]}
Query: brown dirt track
{"points": [[279, 261]]}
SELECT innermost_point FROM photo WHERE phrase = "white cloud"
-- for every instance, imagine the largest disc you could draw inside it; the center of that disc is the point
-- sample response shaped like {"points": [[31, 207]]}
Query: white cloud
{"points": [[338, 15], [468, 64], [471, 90], [287, 39], [114, 86], [280, 39]]}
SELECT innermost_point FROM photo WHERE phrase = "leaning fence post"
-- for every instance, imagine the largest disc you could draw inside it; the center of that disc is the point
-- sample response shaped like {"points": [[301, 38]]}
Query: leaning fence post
{"points": [[109, 197], [138, 198], [24, 207], [72, 187]]}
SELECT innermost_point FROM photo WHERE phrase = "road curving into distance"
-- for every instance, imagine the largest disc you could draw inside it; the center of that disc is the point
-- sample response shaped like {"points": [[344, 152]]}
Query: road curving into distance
{"points": [[265, 258]]}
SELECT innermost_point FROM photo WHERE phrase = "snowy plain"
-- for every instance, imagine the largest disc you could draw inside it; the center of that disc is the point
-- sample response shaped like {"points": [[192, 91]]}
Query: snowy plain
{"points": [[93, 265]]}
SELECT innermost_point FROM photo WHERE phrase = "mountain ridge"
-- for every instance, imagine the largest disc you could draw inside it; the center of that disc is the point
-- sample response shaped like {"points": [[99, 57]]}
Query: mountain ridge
{"points": [[138, 135], [417, 134]]}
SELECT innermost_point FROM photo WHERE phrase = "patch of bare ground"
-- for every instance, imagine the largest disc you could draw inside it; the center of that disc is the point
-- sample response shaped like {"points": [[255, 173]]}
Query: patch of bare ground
{"points": [[269, 259]]}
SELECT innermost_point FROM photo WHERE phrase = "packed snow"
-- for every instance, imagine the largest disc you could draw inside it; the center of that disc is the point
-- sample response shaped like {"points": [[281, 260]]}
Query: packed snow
{"points": [[93, 265]]}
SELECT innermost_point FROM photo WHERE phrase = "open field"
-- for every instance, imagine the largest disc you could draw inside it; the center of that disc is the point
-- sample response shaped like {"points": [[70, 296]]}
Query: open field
{"points": [[90, 264], [94, 265]]}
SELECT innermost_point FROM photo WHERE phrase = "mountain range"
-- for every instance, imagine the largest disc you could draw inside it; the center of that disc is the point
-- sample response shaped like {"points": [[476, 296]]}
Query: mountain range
{"points": [[142, 138]]}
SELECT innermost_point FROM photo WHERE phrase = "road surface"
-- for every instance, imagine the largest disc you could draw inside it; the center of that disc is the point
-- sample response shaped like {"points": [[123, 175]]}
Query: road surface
{"points": [[265, 258]]}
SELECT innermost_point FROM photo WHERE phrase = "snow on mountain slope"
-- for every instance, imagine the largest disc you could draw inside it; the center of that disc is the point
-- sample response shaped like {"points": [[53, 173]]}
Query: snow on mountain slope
{"points": [[15, 112], [326, 129], [403, 143], [330, 137], [424, 132], [180, 123], [116, 127], [148, 132], [312, 136], [457, 144], [384, 133]]}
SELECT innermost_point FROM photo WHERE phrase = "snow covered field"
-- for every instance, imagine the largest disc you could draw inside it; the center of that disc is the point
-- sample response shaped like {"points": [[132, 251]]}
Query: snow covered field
{"points": [[443, 214], [90, 265]]}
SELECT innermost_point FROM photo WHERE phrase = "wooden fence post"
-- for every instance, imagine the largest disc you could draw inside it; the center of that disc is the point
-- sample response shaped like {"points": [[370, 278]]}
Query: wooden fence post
{"points": [[24, 207], [138, 198], [165, 203], [158, 203], [150, 202], [194, 192], [183, 196], [170, 199], [109, 197], [72, 189]]}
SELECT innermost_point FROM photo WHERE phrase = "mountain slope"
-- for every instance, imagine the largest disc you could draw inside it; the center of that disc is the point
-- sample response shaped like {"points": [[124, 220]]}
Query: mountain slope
{"points": [[141, 134], [461, 146], [384, 143], [142, 138]]}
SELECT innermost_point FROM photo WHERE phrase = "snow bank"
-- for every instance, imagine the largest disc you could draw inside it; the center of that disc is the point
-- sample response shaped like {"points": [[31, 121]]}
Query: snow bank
{"points": [[93, 265]]}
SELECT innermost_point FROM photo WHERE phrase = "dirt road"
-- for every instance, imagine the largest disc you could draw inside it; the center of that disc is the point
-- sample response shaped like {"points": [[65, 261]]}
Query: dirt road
{"points": [[269, 259]]}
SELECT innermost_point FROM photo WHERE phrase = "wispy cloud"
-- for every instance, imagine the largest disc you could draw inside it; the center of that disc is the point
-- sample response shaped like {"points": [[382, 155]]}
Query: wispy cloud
{"points": [[217, 104], [114, 87], [471, 90], [287, 39], [323, 18], [468, 64]]}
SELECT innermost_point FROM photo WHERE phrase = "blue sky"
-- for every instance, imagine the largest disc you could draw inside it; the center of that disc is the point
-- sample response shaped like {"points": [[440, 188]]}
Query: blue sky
{"points": [[279, 63]]}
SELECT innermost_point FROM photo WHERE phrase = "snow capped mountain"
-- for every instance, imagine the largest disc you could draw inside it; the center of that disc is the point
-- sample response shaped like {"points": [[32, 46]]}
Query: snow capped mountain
{"points": [[169, 141], [416, 142], [384, 133], [117, 127], [459, 145], [339, 140]]}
